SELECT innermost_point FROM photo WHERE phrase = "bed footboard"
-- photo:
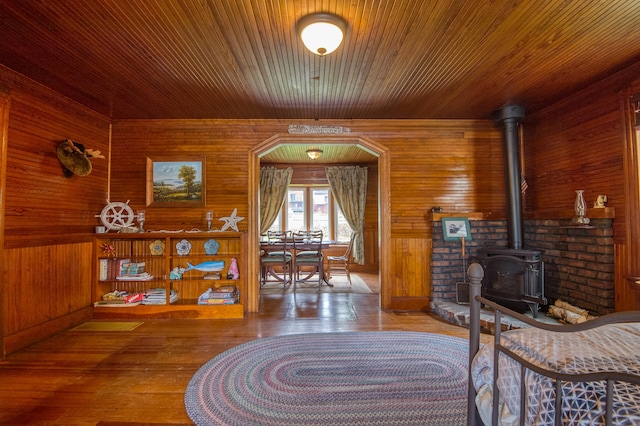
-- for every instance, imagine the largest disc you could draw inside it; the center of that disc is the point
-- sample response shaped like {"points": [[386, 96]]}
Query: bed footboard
{"points": [[475, 272], [606, 376]]}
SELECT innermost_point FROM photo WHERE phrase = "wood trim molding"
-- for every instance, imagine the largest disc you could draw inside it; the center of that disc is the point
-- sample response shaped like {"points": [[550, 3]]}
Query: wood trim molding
{"points": [[632, 182], [384, 205], [5, 104]]}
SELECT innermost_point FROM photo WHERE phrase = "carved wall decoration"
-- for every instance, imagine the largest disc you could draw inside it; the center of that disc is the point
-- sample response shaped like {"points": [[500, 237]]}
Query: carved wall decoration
{"points": [[303, 129]]}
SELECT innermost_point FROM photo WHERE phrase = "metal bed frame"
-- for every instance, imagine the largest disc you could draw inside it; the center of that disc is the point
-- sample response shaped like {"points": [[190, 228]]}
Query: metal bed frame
{"points": [[475, 273]]}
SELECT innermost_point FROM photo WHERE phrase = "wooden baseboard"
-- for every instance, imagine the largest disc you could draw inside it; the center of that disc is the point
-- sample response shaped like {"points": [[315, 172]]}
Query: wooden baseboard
{"points": [[415, 304], [24, 338], [177, 311]]}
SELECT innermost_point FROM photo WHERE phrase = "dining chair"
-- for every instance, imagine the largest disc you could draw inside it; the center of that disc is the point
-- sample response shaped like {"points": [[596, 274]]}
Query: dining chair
{"points": [[308, 256], [343, 260], [277, 254]]}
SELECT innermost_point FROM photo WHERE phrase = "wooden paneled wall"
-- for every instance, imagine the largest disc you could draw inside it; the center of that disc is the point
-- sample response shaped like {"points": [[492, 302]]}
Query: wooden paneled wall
{"points": [[434, 163], [48, 218], [42, 205], [579, 143], [454, 164]]}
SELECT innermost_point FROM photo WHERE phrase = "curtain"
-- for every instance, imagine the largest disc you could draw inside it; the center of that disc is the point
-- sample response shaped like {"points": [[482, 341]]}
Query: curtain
{"points": [[349, 188], [273, 192]]}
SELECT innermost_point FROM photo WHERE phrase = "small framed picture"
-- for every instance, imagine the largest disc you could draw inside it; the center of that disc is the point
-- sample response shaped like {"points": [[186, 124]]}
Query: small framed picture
{"points": [[175, 182], [455, 228]]}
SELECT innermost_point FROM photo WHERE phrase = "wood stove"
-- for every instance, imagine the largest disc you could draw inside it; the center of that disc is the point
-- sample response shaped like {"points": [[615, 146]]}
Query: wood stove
{"points": [[513, 277]]}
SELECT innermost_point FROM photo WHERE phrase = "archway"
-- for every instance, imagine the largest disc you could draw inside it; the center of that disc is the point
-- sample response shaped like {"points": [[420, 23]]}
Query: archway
{"points": [[384, 206]]}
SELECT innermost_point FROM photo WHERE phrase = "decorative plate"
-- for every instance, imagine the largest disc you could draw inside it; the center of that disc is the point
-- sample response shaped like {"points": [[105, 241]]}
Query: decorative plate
{"points": [[211, 246], [183, 247], [157, 248]]}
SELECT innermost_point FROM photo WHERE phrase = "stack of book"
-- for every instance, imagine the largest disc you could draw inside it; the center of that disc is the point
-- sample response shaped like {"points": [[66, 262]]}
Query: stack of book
{"points": [[120, 299], [227, 295], [145, 276], [110, 268], [158, 296], [132, 268], [133, 271]]}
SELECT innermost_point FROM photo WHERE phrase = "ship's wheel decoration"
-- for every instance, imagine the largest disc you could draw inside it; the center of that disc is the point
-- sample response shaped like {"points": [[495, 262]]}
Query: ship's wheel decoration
{"points": [[116, 215]]}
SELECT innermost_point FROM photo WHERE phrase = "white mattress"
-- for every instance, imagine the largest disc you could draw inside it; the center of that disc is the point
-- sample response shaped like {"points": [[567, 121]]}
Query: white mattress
{"points": [[614, 347]]}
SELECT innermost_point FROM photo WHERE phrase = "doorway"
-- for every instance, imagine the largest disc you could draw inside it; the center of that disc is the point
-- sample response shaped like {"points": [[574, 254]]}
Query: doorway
{"points": [[383, 204]]}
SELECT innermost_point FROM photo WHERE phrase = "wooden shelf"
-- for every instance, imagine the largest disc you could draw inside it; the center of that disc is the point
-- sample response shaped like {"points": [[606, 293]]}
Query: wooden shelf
{"points": [[173, 311], [137, 247], [436, 216], [593, 213]]}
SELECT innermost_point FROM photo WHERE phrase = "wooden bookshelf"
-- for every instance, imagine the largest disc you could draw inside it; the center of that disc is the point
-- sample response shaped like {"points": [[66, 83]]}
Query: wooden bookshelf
{"points": [[161, 254]]}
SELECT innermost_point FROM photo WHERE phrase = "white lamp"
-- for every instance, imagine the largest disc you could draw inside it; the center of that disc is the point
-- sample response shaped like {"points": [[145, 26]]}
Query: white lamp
{"points": [[322, 33]]}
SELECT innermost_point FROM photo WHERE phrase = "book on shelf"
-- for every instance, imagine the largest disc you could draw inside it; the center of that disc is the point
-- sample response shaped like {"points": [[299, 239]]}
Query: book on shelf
{"points": [[120, 263], [226, 289], [214, 294], [104, 269], [225, 295], [109, 268], [145, 276], [132, 268], [224, 292], [115, 303], [158, 296], [232, 301]]}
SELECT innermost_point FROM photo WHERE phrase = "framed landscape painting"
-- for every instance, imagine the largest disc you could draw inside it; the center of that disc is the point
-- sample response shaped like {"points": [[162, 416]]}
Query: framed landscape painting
{"points": [[455, 228], [175, 182]]}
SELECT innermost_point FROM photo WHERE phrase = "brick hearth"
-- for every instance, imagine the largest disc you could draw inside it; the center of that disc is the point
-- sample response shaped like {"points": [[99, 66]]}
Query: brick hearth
{"points": [[579, 262]]}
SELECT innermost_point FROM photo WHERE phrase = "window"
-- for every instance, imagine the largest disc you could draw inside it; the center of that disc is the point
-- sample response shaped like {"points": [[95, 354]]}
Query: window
{"points": [[312, 207], [320, 210], [343, 230], [295, 210]]}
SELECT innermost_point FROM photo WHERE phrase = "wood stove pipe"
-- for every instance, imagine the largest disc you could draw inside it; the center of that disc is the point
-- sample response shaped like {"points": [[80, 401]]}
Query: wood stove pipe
{"points": [[509, 118]]}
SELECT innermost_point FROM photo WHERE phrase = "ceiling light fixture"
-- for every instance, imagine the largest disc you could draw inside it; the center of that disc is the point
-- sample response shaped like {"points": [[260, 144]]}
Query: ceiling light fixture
{"points": [[322, 33], [314, 153]]}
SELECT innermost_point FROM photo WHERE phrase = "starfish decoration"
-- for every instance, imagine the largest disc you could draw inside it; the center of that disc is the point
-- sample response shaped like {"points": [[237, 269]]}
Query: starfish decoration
{"points": [[107, 250], [231, 221]]}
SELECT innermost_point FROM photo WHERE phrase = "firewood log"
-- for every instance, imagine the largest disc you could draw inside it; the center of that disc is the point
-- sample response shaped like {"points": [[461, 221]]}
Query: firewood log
{"points": [[566, 305], [565, 315]]}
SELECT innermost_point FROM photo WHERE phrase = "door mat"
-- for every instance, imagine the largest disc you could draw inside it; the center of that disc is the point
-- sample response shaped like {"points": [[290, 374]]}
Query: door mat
{"points": [[108, 326]]}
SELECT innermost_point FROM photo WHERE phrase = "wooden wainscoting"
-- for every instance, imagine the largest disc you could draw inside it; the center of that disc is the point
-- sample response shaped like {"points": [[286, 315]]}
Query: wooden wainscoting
{"points": [[47, 218], [627, 292], [54, 291], [411, 287]]}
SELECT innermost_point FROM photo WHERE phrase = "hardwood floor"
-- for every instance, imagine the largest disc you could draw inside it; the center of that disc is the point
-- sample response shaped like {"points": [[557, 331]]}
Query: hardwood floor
{"points": [[139, 376]]}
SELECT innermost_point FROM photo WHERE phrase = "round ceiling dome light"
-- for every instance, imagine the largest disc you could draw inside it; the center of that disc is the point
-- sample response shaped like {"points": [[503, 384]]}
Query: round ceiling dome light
{"points": [[322, 33], [314, 153]]}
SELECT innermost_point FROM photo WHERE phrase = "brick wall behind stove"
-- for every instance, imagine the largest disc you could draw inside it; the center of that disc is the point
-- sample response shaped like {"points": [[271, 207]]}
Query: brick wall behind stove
{"points": [[579, 262], [447, 265]]}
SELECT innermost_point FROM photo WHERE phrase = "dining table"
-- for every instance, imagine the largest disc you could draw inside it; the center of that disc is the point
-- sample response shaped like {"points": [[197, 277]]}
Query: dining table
{"points": [[266, 246]]}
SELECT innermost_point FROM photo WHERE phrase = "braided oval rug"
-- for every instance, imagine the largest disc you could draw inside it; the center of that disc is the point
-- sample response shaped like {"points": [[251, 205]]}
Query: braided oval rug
{"points": [[351, 378]]}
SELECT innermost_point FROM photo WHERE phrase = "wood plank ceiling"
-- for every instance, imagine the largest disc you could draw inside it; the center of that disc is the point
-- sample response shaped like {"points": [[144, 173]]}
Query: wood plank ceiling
{"points": [[242, 59]]}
